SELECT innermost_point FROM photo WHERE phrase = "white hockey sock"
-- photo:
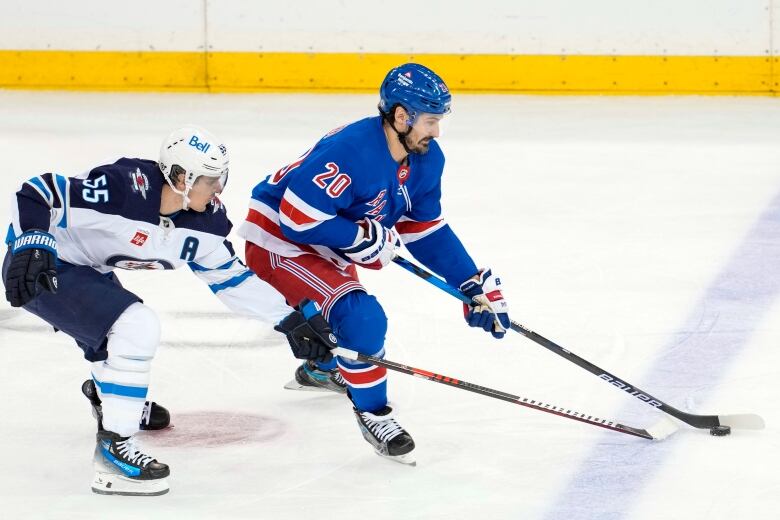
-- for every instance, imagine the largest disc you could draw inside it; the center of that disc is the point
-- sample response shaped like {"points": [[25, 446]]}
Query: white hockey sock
{"points": [[122, 380]]}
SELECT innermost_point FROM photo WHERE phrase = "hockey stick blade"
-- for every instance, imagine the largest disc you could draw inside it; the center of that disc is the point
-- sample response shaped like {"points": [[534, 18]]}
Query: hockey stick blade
{"points": [[743, 421], [740, 421], [657, 432]]}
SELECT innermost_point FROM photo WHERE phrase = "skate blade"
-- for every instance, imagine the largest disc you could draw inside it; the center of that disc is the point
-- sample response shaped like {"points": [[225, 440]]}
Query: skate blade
{"points": [[406, 459], [295, 385], [113, 484]]}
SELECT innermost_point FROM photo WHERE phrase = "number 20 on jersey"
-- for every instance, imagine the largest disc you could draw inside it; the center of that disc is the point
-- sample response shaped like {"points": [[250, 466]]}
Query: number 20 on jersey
{"points": [[340, 181]]}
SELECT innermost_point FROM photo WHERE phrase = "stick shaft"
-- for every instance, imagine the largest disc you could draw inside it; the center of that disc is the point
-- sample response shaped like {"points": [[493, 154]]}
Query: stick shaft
{"points": [[495, 394], [698, 421]]}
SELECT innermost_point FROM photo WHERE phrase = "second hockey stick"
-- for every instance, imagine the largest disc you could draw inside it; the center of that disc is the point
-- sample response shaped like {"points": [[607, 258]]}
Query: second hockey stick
{"points": [[743, 421], [658, 432]]}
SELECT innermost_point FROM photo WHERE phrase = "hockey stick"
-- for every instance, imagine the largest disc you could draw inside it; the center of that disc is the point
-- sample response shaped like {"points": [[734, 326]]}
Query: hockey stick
{"points": [[743, 421], [657, 432]]}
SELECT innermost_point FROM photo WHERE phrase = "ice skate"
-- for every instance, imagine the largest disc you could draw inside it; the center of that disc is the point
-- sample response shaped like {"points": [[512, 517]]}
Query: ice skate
{"points": [[121, 468], [154, 416], [309, 377], [387, 437]]}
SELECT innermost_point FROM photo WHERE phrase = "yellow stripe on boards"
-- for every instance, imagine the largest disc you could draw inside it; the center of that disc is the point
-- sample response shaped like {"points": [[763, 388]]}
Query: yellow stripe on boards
{"points": [[343, 72], [109, 70]]}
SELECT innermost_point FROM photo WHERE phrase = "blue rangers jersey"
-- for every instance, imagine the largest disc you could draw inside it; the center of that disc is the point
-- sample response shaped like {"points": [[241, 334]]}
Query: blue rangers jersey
{"points": [[110, 218], [312, 205]]}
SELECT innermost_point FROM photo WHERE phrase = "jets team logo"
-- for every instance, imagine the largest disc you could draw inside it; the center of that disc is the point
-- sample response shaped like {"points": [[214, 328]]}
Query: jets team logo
{"points": [[140, 182], [138, 264]]}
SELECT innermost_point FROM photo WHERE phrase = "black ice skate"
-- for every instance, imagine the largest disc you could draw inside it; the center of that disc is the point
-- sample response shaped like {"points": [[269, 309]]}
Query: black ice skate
{"points": [[121, 468], [309, 377], [387, 437], [154, 416]]}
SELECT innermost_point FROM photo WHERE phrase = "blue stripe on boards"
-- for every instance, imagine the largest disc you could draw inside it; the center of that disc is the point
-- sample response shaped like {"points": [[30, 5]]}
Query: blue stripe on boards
{"points": [[717, 330], [233, 282], [138, 392]]}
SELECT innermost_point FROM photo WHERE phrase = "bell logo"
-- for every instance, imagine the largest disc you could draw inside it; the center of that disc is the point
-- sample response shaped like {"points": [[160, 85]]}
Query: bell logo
{"points": [[202, 147]]}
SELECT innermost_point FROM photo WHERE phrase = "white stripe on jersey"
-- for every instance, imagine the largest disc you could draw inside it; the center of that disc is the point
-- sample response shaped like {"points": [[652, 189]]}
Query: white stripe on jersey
{"points": [[309, 213], [255, 233], [408, 238]]}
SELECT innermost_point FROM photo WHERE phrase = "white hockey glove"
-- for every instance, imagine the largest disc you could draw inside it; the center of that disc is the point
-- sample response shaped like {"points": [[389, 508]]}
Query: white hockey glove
{"points": [[488, 309], [375, 247]]}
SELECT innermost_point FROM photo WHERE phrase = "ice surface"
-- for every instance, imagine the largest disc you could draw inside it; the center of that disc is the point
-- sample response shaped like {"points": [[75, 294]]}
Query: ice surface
{"points": [[641, 233]]}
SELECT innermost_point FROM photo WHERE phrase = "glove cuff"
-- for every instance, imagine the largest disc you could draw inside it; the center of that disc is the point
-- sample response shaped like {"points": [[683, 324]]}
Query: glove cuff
{"points": [[365, 236], [35, 240], [309, 308]]}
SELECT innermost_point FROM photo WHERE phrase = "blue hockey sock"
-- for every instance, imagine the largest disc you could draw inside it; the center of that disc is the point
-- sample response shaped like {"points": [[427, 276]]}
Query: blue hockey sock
{"points": [[360, 324]]}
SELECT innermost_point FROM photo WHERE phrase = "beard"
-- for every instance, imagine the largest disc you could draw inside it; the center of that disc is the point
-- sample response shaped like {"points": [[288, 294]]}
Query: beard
{"points": [[421, 146]]}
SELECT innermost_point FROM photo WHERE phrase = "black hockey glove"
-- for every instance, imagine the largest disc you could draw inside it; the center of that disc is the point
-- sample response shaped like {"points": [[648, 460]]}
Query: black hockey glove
{"points": [[308, 333], [33, 264]]}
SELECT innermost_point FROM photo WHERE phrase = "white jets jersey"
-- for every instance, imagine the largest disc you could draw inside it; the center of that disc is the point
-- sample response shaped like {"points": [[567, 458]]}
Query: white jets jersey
{"points": [[110, 218]]}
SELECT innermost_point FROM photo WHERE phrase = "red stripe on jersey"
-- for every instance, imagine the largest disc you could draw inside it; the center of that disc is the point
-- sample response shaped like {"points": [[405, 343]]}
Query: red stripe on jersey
{"points": [[410, 226], [494, 295], [363, 378], [294, 214], [270, 227]]}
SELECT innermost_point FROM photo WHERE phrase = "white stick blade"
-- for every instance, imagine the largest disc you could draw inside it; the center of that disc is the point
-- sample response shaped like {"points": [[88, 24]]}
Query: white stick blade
{"points": [[744, 421], [663, 429], [345, 352]]}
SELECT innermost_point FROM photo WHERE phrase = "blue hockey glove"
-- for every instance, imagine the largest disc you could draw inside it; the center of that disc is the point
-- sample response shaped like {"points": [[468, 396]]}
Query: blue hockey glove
{"points": [[376, 248], [309, 335], [33, 267], [488, 309]]}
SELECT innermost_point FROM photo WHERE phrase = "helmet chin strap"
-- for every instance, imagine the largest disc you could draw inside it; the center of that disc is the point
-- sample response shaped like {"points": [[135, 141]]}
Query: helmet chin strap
{"points": [[185, 199], [401, 135]]}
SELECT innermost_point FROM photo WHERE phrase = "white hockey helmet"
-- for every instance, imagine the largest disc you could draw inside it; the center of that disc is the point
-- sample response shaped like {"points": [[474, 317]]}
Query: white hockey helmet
{"points": [[193, 151]]}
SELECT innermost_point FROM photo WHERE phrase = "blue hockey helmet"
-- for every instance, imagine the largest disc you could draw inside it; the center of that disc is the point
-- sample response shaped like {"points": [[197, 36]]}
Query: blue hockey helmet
{"points": [[416, 88]]}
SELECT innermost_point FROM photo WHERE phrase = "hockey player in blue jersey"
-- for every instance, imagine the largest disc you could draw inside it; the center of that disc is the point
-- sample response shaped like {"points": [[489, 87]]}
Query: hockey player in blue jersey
{"points": [[348, 201], [69, 234]]}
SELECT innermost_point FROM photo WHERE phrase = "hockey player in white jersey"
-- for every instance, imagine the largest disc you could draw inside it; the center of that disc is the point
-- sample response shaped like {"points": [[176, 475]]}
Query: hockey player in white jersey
{"points": [[69, 234]]}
